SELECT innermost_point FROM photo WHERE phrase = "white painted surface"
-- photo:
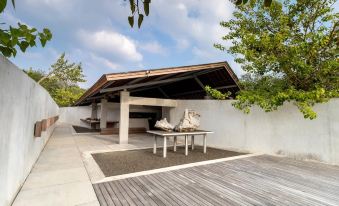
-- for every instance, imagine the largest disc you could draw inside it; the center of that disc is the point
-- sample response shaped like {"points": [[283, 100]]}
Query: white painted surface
{"points": [[103, 114], [283, 132], [151, 101], [72, 115], [124, 118], [22, 103]]}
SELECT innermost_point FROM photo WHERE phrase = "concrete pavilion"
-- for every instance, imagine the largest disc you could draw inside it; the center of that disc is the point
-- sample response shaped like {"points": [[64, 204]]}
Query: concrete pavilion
{"points": [[157, 87]]}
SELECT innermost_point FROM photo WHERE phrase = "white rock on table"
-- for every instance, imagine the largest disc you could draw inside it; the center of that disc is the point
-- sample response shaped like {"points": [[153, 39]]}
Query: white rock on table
{"points": [[163, 124], [189, 122]]}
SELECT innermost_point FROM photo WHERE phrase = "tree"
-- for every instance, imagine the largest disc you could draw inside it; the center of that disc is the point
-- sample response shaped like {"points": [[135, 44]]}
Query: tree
{"points": [[68, 73], [289, 51], [20, 36], [61, 81]]}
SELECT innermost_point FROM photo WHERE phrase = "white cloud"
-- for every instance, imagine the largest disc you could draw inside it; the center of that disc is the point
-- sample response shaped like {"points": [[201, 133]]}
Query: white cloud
{"points": [[153, 47], [100, 60], [201, 53], [111, 43], [192, 22]]}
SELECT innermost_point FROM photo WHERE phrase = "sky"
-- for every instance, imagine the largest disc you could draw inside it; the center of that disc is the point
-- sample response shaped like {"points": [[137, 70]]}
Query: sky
{"points": [[97, 34]]}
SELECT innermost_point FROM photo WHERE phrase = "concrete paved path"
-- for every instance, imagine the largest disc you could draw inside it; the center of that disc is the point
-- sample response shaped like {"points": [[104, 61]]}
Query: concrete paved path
{"points": [[63, 173], [59, 176]]}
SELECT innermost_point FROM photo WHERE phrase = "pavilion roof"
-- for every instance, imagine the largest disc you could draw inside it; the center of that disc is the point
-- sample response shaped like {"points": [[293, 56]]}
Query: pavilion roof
{"points": [[184, 82]]}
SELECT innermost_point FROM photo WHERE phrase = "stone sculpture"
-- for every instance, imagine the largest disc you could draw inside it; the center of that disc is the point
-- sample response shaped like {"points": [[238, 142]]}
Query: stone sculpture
{"points": [[163, 124], [189, 122]]}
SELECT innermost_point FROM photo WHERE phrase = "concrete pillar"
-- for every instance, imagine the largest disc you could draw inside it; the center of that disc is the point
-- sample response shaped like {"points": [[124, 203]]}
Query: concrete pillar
{"points": [[94, 114], [103, 118], [124, 117]]}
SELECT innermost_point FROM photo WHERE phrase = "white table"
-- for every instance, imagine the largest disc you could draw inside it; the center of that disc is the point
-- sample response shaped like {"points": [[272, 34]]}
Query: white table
{"points": [[165, 135]]}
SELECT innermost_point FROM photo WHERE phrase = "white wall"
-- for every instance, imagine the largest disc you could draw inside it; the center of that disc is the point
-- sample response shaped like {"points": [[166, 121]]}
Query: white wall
{"points": [[22, 103], [283, 132], [72, 115]]}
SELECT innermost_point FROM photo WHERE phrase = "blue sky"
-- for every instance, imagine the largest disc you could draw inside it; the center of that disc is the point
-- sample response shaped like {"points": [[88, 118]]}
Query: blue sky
{"points": [[97, 34], [177, 32]]}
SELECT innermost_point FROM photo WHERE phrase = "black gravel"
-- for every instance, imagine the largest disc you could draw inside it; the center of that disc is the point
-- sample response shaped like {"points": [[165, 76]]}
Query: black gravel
{"points": [[79, 129], [124, 162]]}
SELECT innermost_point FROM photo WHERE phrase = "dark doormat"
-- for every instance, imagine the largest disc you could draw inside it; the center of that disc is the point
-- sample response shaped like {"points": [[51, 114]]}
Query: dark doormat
{"points": [[79, 129], [124, 162]]}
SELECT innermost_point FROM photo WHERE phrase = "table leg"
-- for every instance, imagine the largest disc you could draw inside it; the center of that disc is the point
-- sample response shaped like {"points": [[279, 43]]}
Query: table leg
{"points": [[155, 145], [204, 143], [192, 142], [165, 147], [186, 145], [175, 144]]}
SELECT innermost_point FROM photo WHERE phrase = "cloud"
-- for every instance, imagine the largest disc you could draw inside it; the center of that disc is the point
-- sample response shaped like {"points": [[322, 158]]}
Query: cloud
{"points": [[153, 47], [111, 43], [177, 32], [105, 62], [192, 22]]}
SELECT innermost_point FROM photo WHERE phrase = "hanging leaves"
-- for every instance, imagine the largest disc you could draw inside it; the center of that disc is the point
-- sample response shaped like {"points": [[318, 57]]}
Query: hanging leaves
{"points": [[20, 37], [136, 10]]}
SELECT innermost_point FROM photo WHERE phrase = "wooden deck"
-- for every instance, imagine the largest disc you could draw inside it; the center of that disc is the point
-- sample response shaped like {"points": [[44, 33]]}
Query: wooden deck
{"points": [[260, 180]]}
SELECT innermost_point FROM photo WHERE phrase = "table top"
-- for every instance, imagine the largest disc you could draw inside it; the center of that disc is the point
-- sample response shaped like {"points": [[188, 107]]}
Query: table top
{"points": [[173, 133]]}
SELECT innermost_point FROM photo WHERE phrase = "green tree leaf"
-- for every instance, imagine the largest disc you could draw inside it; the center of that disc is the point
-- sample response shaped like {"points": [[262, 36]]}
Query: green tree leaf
{"points": [[131, 21], [3, 4], [267, 3], [132, 5], [146, 7], [238, 2], [140, 19], [23, 45]]}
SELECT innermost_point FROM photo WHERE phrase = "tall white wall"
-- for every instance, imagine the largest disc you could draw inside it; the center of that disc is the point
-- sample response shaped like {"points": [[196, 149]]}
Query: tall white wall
{"points": [[22, 103], [283, 132]]}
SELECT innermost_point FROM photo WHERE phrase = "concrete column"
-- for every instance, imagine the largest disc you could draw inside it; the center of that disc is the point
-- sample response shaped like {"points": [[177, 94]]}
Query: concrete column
{"points": [[94, 114], [103, 118], [124, 117]]}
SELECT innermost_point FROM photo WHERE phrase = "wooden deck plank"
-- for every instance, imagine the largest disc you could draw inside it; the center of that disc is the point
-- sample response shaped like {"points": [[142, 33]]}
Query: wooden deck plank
{"points": [[260, 180], [99, 194], [147, 191], [114, 198], [142, 194]]}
